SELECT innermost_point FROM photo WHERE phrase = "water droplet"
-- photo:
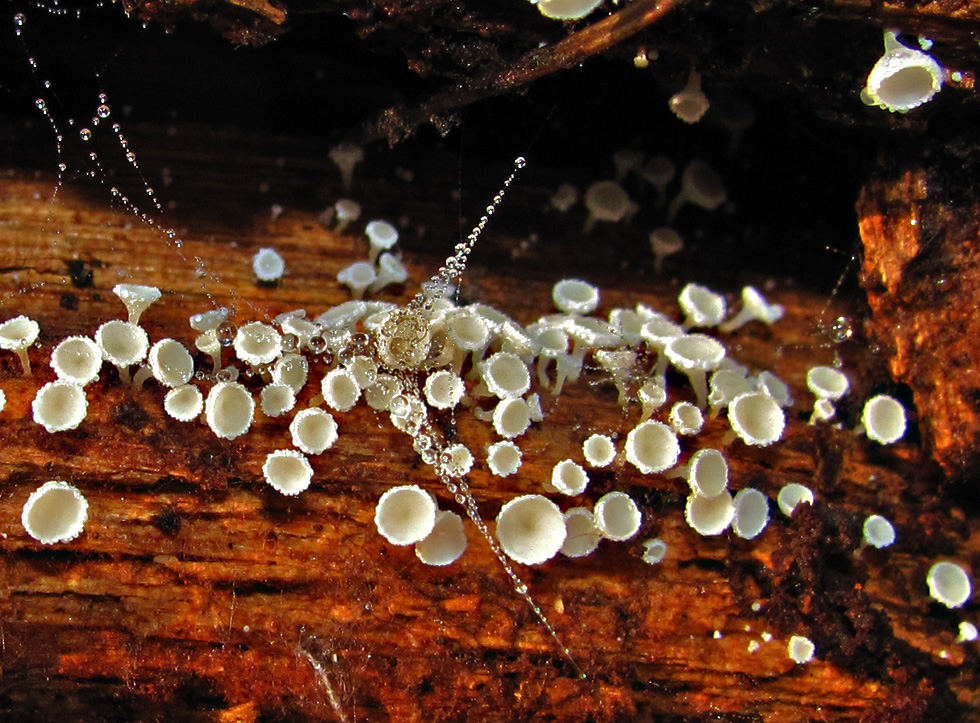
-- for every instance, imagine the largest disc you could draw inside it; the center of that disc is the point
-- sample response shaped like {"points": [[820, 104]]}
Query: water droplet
{"points": [[62, 167], [841, 329], [317, 344], [226, 333], [40, 103], [85, 134], [20, 19], [289, 343], [131, 157], [520, 162], [102, 111]]}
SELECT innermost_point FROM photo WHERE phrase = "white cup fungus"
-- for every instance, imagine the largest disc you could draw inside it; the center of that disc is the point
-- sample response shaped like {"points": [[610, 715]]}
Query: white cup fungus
{"points": [[605, 201], [136, 298], [530, 529], [567, 9], [405, 515], [170, 363], [903, 78], [654, 551], [617, 516], [288, 471], [123, 344], [574, 296], [652, 395], [878, 531], [511, 418], [346, 211], [702, 307], [700, 185], [949, 584], [967, 632], [313, 430], [884, 419], [686, 419], [346, 156], [709, 516], [754, 308], [257, 343], [659, 171], [340, 389], [390, 271], [379, 395], [59, 406], [599, 450], [55, 512], [652, 447], [3, 400], [664, 242], [503, 458], [382, 236], [17, 335], [357, 277], [696, 355], [184, 403], [443, 389], [725, 385], [706, 472], [276, 399], [626, 161], [77, 360], [792, 495], [800, 649], [292, 370], [446, 543], [268, 265], [505, 375], [569, 478], [690, 104], [768, 383], [460, 460], [751, 513], [229, 409], [756, 418], [581, 534], [827, 383]]}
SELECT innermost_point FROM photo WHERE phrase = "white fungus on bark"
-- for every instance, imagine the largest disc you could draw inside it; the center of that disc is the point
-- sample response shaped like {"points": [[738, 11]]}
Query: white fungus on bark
{"points": [[346, 156], [17, 335], [617, 516], [967, 632], [827, 383], [949, 584], [751, 513], [725, 385], [654, 551], [792, 495], [443, 389], [884, 419], [690, 103], [313, 430], [123, 344], [710, 516], [346, 211], [55, 512], [567, 9], [460, 460], [229, 409], [382, 236], [702, 307], [257, 343], [503, 458], [59, 406], [136, 298], [696, 355], [170, 363], [701, 186], [390, 271], [706, 473], [878, 532], [77, 360], [754, 308], [599, 450], [652, 447], [292, 370], [664, 242], [340, 389], [605, 201], [288, 471], [505, 375], [184, 403], [652, 395], [511, 418], [446, 543], [268, 265], [574, 296], [770, 384], [581, 534], [800, 649], [903, 78], [568, 478], [405, 515], [756, 419], [276, 399], [530, 529], [358, 277], [686, 419]]}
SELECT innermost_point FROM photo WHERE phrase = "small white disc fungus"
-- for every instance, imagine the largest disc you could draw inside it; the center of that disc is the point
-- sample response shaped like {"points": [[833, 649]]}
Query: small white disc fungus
{"points": [[405, 515], [77, 360], [702, 307], [726, 384], [382, 236], [617, 516], [827, 383], [654, 551], [313, 430], [949, 584], [503, 458], [710, 515], [170, 362], [606, 201], [511, 418], [55, 512], [446, 543], [770, 384], [903, 78], [346, 211], [17, 335], [884, 419], [686, 419], [792, 495], [652, 396], [574, 296], [569, 478], [390, 271], [379, 395], [505, 375], [664, 242], [530, 529], [288, 471], [652, 447], [690, 104], [700, 185], [751, 513], [122, 343], [599, 450], [268, 265], [293, 370], [696, 355], [581, 534], [460, 460], [967, 632], [754, 308], [756, 418], [276, 399], [229, 409], [340, 389], [567, 9], [59, 406], [257, 343], [136, 298], [707, 473], [878, 531], [800, 649], [184, 403], [358, 277]]}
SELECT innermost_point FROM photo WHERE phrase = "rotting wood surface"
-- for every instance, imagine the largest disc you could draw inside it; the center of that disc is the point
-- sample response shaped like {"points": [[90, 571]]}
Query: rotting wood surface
{"points": [[198, 593]]}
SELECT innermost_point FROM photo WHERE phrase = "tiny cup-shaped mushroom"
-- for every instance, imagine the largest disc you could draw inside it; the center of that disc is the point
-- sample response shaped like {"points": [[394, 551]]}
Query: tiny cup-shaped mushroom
{"points": [[460, 460], [706, 473], [257, 343], [574, 296], [659, 171], [55, 512], [617, 516], [184, 403], [505, 375], [654, 551], [503, 458], [569, 478], [276, 399], [754, 308], [123, 344], [170, 362], [877, 532], [690, 103], [208, 344], [382, 236], [628, 324], [288, 471], [313, 430], [443, 389], [884, 419], [291, 369], [390, 271], [949, 584], [379, 395], [59, 406], [346, 156], [17, 335], [340, 389], [77, 360], [626, 160], [770, 384], [346, 211], [702, 307], [800, 649], [268, 265], [709, 516], [208, 320], [605, 201], [567, 9], [564, 197], [903, 78], [652, 447], [471, 334], [511, 417], [357, 277], [756, 418], [652, 395], [581, 534], [751, 513], [792, 495], [827, 383], [700, 185], [229, 409], [137, 299], [530, 529], [599, 450], [405, 515], [446, 543], [686, 419], [664, 242], [726, 384], [696, 355]]}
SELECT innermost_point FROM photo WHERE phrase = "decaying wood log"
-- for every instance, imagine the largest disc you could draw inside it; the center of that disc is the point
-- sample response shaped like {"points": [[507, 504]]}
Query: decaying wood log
{"points": [[198, 593]]}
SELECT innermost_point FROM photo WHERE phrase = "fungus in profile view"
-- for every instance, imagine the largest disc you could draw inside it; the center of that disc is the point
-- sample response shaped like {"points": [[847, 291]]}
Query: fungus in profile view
{"points": [[696, 355], [664, 242], [390, 271], [700, 185], [55, 512], [754, 308], [136, 298], [581, 534], [358, 277], [659, 171], [77, 360], [382, 236], [268, 265], [949, 584], [617, 516], [446, 543], [123, 344], [59, 406], [903, 78], [530, 529], [606, 201], [346, 211], [690, 104], [405, 515], [346, 156], [288, 471], [792, 495], [17, 335], [574, 296], [564, 197], [702, 307]]}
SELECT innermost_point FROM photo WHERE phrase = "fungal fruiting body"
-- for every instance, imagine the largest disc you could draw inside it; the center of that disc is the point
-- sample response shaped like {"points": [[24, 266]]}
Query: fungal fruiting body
{"points": [[530, 529], [884, 419], [77, 360], [949, 584], [617, 516], [17, 335], [288, 471], [405, 515], [800, 649], [652, 447], [229, 409], [751, 513], [654, 551], [55, 512], [137, 298], [446, 543], [878, 531], [581, 533], [59, 406], [690, 103], [268, 265], [567, 9], [903, 78], [792, 495]]}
